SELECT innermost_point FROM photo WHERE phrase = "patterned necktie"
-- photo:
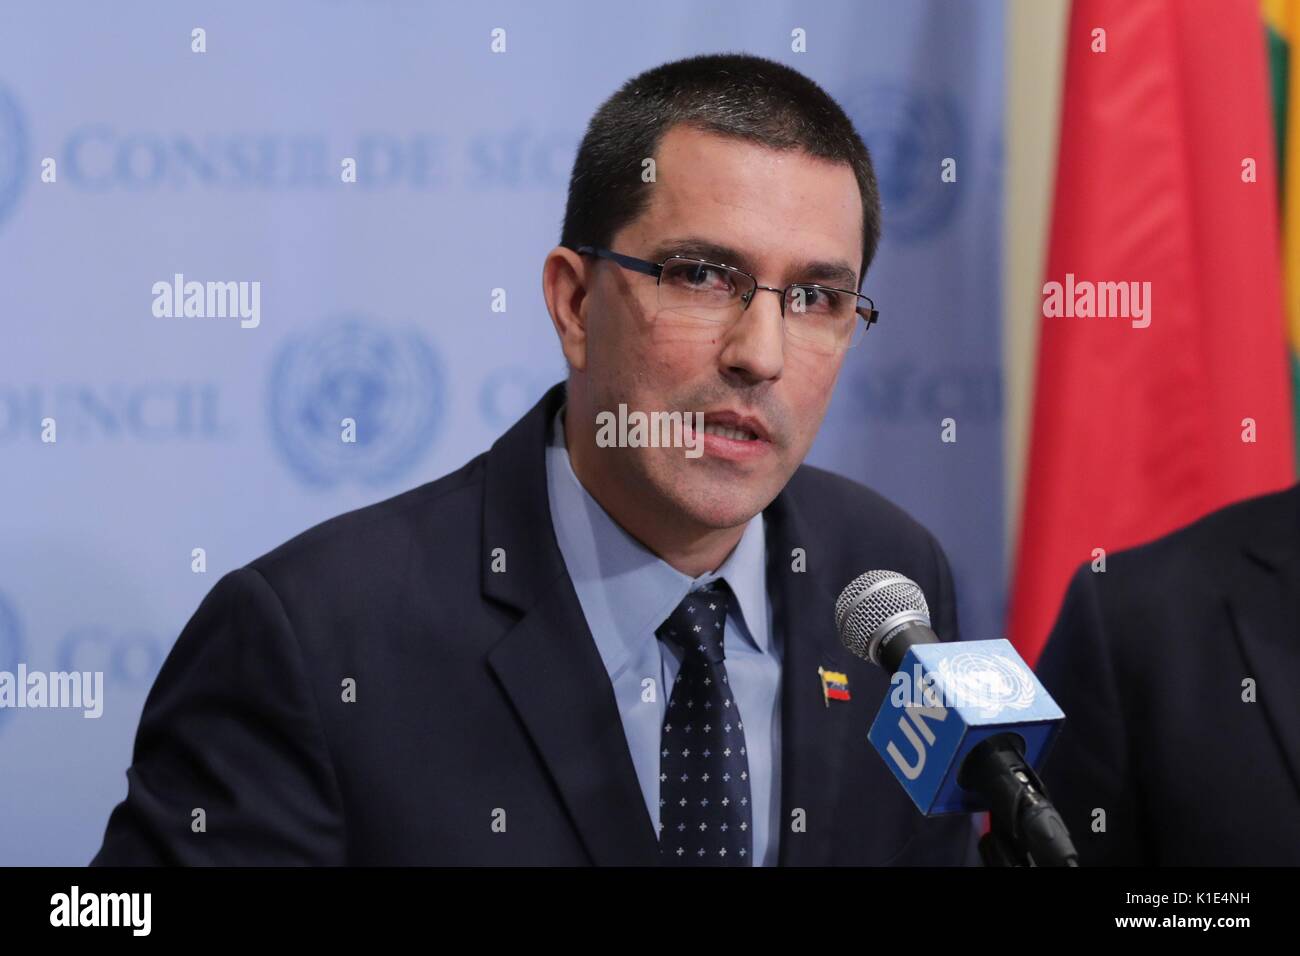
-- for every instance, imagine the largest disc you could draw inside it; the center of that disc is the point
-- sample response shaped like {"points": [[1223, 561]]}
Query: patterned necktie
{"points": [[704, 806]]}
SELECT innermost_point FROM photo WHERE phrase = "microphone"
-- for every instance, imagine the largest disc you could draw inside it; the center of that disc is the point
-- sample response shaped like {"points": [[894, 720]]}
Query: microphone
{"points": [[965, 722]]}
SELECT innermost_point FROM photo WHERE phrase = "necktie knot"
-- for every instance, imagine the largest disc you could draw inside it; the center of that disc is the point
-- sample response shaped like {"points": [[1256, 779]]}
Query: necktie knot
{"points": [[698, 622]]}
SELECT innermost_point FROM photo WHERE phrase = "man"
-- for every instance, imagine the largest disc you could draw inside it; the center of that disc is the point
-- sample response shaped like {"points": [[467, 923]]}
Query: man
{"points": [[569, 652], [1177, 670]]}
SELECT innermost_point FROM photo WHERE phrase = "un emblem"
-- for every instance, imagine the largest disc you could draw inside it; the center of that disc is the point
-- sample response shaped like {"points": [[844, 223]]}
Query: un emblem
{"points": [[13, 153], [909, 133], [387, 380], [990, 682], [11, 647]]}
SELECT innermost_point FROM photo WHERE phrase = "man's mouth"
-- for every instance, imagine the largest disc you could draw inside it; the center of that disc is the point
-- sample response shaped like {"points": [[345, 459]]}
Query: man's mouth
{"points": [[735, 426], [735, 434], [728, 435]]}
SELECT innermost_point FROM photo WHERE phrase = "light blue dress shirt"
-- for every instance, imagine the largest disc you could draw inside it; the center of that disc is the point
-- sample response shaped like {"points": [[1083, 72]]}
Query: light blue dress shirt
{"points": [[626, 592]]}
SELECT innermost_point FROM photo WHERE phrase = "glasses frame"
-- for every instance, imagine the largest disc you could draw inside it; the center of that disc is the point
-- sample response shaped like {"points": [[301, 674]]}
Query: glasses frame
{"points": [[869, 314]]}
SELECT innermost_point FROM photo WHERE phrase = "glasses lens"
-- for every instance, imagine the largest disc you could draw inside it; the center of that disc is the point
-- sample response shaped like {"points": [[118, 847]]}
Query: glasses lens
{"points": [[702, 290], [824, 319]]}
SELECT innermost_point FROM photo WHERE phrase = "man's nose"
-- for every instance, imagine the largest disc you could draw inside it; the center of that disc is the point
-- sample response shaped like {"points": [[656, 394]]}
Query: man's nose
{"points": [[755, 347]]}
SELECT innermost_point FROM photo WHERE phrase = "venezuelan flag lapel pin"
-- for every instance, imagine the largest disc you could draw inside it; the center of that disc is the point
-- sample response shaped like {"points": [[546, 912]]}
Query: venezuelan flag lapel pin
{"points": [[835, 685]]}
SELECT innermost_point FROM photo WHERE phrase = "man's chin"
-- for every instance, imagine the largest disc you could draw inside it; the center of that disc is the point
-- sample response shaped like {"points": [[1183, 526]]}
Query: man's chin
{"points": [[715, 495], [721, 507]]}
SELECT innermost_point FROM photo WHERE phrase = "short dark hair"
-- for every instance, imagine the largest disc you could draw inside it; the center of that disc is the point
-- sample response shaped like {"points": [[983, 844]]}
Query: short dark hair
{"points": [[730, 94]]}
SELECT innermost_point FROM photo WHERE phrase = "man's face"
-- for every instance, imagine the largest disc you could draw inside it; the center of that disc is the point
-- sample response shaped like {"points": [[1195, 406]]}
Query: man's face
{"points": [[776, 213]]}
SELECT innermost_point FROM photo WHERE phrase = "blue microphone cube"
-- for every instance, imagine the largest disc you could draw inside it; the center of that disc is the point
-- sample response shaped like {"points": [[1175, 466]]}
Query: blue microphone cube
{"points": [[944, 700]]}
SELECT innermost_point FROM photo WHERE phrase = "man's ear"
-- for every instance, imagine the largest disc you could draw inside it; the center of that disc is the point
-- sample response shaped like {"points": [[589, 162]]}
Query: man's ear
{"points": [[565, 275]]}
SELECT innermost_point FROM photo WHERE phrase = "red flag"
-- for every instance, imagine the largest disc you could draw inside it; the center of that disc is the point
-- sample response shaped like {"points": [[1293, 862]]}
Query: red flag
{"points": [[1139, 430]]}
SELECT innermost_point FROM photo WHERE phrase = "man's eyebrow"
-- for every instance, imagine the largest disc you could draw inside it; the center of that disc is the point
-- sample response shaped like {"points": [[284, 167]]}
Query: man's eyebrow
{"points": [[838, 274]]}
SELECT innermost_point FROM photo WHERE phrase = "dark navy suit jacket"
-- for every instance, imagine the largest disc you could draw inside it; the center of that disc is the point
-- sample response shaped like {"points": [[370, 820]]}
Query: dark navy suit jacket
{"points": [[480, 695], [1148, 661]]}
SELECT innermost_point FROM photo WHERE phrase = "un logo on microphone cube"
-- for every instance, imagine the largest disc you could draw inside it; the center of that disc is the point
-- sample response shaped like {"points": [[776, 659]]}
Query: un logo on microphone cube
{"points": [[944, 700]]}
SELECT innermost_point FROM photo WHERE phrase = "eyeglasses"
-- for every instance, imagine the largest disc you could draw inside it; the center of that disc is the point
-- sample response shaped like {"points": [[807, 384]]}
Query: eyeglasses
{"points": [[819, 317]]}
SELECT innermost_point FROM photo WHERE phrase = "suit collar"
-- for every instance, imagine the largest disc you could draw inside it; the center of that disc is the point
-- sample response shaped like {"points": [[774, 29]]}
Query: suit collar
{"points": [[1264, 603], [549, 667], [516, 513]]}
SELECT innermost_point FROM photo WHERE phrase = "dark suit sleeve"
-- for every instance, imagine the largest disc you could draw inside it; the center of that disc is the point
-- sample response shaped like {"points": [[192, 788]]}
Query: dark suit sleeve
{"points": [[230, 727], [1088, 767]]}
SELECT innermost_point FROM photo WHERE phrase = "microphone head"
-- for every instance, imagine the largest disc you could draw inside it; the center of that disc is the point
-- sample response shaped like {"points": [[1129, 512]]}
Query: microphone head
{"points": [[873, 605]]}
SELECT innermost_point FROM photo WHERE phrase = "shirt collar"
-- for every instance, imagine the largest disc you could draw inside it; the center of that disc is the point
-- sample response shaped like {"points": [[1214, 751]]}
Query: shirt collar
{"points": [[626, 586]]}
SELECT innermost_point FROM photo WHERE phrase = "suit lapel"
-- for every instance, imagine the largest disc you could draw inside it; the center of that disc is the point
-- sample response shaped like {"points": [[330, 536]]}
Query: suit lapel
{"points": [[547, 664], [1264, 602], [812, 734], [550, 669]]}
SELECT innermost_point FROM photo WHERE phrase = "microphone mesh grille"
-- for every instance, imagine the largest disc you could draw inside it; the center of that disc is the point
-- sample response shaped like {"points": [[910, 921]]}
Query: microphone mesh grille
{"points": [[857, 625]]}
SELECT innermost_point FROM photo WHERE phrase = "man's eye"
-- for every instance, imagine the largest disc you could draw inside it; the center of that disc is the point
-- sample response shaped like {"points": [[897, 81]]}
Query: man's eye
{"points": [[816, 300], [700, 276]]}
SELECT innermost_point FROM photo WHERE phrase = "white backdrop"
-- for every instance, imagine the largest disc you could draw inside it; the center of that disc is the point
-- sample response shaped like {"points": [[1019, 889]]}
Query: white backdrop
{"points": [[175, 434]]}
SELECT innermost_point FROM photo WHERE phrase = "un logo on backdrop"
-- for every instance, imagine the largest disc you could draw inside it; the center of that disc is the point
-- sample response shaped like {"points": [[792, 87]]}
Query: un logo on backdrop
{"points": [[11, 645], [388, 380], [13, 153], [910, 132]]}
